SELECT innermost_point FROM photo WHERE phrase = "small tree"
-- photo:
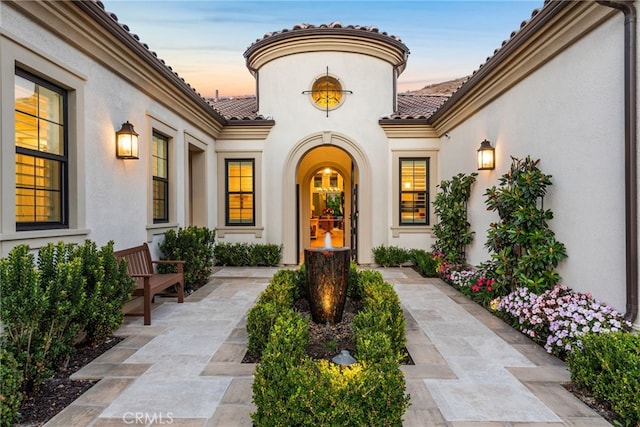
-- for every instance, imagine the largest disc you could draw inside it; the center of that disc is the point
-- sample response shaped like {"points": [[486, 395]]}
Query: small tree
{"points": [[524, 248], [452, 231]]}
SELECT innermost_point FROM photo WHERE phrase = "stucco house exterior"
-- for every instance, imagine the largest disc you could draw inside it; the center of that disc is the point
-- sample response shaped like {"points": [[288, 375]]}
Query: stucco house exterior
{"points": [[328, 145]]}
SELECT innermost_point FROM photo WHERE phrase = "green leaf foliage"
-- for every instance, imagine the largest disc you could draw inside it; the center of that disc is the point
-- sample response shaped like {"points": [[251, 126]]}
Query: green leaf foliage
{"points": [[195, 246], [291, 389], [522, 245], [47, 301], [11, 392], [247, 254], [453, 232], [608, 365]]}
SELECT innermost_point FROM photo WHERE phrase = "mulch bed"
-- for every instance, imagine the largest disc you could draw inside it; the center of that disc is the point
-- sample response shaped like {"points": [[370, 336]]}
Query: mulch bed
{"points": [[58, 392]]}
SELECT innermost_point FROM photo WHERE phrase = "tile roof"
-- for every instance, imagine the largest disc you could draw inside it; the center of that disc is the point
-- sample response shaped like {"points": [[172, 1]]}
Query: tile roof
{"points": [[417, 106], [410, 106], [237, 108], [334, 25]]}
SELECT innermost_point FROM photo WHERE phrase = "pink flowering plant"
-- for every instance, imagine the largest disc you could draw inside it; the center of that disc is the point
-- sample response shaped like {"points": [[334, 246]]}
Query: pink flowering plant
{"points": [[477, 284], [558, 317]]}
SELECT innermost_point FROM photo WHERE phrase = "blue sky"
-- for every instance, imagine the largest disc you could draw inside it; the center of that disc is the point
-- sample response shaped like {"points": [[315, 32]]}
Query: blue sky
{"points": [[204, 40]]}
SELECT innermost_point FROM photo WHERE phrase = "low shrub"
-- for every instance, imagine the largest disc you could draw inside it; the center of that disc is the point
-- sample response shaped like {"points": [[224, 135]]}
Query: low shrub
{"points": [[47, 300], [290, 388], [195, 246], [247, 254], [108, 287], [608, 365], [390, 256], [424, 262], [11, 392], [275, 301]]}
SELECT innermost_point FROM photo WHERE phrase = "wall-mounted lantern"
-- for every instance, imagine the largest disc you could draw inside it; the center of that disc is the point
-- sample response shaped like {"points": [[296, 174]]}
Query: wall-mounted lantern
{"points": [[486, 156], [126, 142]]}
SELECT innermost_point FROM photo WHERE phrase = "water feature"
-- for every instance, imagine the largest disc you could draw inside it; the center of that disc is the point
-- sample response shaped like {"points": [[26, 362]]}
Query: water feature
{"points": [[327, 276]]}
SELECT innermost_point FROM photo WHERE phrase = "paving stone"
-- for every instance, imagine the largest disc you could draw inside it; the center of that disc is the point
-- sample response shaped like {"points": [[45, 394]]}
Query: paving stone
{"points": [[422, 418], [229, 369], [428, 372], [236, 416], [561, 401], [105, 391], [239, 392], [75, 415], [557, 374], [229, 352]]}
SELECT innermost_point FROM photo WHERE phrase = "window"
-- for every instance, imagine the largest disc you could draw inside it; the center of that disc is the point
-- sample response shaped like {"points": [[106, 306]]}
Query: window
{"points": [[414, 193], [41, 154], [240, 203], [160, 170]]}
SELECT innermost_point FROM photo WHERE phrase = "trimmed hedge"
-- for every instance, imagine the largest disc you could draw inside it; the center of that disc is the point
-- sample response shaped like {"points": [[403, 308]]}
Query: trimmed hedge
{"points": [[393, 256], [10, 394], [608, 365], [247, 254], [291, 389]]}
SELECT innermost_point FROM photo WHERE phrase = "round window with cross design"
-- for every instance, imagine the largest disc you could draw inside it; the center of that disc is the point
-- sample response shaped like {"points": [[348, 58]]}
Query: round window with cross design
{"points": [[326, 92]]}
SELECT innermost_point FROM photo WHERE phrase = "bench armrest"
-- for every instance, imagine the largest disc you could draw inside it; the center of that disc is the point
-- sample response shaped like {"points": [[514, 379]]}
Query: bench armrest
{"points": [[140, 275]]}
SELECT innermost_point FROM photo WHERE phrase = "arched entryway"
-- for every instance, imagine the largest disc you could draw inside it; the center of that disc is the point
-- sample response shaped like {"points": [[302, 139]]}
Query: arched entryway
{"points": [[325, 193], [345, 165]]}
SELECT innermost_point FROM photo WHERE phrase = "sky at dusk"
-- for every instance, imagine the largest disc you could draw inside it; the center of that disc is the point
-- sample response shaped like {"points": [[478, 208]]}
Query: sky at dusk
{"points": [[204, 41]]}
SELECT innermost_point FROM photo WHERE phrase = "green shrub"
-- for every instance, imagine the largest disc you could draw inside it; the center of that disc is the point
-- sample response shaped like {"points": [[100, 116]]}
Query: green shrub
{"points": [[247, 254], [107, 286], [608, 365], [522, 245], [453, 232], [67, 290], [11, 392], [424, 262], [43, 334], [354, 286], [290, 388], [390, 256], [195, 246]]}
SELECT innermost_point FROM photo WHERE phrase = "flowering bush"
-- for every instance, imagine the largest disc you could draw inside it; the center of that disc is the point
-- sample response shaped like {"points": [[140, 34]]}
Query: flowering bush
{"points": [[559, 317], [475, 284]]}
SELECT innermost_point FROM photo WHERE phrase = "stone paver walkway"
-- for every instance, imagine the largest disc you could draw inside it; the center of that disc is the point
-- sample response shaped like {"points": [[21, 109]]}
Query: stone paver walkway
{"points": [[471, 369]]}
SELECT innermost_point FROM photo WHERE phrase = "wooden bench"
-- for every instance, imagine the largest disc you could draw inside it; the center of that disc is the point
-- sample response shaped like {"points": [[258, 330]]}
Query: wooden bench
{"points": [[148, 282]]}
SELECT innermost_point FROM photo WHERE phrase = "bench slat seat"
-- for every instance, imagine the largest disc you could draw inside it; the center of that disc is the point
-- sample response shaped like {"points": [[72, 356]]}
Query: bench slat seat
{"points": [[148, 282]]}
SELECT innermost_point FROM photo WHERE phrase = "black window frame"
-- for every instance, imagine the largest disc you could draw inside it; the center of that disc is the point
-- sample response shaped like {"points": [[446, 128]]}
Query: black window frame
{"points": [[63, 160], [227, 220], [164, 180]]}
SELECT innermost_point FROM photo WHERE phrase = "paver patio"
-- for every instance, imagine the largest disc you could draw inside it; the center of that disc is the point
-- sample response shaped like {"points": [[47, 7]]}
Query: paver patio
{"points": [[471, 369]]}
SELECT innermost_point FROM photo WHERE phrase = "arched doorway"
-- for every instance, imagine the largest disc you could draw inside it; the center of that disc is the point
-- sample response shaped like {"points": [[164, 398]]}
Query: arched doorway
{"points": [[311, 156], [324, 180]]}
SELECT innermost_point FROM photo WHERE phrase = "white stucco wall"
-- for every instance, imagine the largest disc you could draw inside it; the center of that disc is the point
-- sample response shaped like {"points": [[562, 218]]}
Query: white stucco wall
{"points": [[281, 84], [114, 195], [569, 114]]}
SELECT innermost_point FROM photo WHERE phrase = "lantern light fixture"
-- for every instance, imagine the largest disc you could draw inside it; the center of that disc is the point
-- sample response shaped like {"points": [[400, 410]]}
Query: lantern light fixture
{"points": [[486, 156], [126, 142]]}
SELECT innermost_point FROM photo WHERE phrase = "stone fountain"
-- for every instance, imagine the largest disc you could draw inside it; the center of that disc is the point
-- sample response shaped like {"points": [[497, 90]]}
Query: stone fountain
{"points": [[327, 276]]}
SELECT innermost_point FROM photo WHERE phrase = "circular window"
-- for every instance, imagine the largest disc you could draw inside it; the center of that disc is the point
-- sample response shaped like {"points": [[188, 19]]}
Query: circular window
{"points": [[326, 92]]}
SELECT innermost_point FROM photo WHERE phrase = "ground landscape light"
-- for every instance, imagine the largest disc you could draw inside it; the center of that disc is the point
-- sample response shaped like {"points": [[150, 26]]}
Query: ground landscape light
{"points": [[344, 358], [126, 142], [486, 156]]}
